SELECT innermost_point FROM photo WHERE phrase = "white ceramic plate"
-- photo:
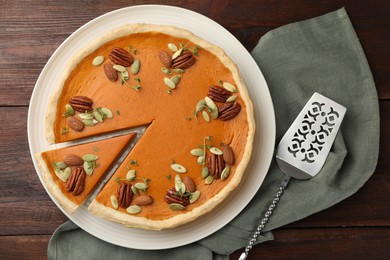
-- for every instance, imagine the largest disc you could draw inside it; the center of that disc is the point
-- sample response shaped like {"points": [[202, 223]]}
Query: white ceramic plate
{"points": [[264, 115]]}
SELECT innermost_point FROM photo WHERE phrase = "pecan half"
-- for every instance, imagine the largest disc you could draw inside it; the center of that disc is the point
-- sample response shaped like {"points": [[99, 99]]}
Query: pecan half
{"points": [[76, 181], [229, 110], [75, 123], [165, 58], [124, 194], [184, 60], [81, 103], [228, 154], [110, 72], [172, 197], [120, 56], [216, 165], [218, 93]]}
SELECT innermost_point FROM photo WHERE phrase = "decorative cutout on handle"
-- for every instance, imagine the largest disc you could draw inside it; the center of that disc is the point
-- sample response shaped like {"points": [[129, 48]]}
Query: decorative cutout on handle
{"points": [[308, 140]]}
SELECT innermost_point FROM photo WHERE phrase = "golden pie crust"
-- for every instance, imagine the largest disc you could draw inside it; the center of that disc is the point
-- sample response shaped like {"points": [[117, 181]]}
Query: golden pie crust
{"points": [[170, 134]]}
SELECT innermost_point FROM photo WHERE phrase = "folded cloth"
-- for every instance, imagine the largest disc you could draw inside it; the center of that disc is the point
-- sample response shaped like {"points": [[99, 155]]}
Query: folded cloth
{"points": [[321, 55]]}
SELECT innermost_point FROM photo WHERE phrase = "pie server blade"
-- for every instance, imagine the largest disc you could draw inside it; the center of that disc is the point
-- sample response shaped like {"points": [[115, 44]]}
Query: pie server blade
{"points": [[303, 150]]}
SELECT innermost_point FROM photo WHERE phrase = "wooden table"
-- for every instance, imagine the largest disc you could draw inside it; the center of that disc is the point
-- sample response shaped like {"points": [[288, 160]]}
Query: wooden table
{"points": [[30, 31]]}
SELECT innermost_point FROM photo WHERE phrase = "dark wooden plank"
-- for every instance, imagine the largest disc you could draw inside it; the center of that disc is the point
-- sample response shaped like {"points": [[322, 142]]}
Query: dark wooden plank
{"points": [[32, 30], [340, 243], [24, 247]]}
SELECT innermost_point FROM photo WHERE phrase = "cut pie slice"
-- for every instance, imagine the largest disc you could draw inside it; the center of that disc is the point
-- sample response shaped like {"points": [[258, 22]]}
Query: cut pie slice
{"points": [[71, 173]]}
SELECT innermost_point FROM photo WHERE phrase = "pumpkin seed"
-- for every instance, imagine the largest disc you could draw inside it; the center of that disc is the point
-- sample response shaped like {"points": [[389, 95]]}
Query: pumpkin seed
{"points": [[176, 206], [107, 112], [134, 189], [177, 53], [176, 79], [215, 150], [231, 99], [134, 209], [69, 109], [197, 152], [89, 122], [194, 196], [135, 67], [86, 116], [170, 84], [178, 168], [90, 157], [166, 71], [177, 178], [172, 47], [97, 60], [114, 201], [98, 116], [140, 185], [210, 104], [88, 168], [67, 172], [205, 172], [180, 187], [214, 114], [180, 71], [125, 75], [201, 105], [200, 160], [61, 175], [225, 173], [130, 175], [206, 116], [209, 179], [119, 68], [60, 165], [229, 87]]}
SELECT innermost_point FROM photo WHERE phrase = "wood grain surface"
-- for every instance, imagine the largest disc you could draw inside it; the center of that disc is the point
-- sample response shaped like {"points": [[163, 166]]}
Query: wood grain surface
{"points": [[30, 31]]}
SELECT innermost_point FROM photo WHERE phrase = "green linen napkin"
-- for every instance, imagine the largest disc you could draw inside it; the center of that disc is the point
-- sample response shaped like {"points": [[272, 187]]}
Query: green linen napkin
{"points": [[317, 55]]}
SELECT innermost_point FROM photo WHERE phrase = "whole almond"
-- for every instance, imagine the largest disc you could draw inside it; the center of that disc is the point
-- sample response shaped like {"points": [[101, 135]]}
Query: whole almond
{"points": [[228, 154], [142, 200], [72, 160], [189, 183], [75, 123], [110, 72], [165, 58]]}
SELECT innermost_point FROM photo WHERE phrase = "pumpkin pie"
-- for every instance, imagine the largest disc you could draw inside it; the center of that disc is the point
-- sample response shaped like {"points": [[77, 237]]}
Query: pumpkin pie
{"points": [[197, 112], [71, 173]]}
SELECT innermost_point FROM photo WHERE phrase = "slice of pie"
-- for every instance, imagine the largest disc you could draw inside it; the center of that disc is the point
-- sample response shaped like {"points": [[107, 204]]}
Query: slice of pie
{"points": [[71, 173], [199, 118]]}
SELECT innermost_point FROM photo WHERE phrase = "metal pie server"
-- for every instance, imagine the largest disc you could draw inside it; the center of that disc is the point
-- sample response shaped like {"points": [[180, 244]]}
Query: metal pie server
{"points": [[304, 148]]}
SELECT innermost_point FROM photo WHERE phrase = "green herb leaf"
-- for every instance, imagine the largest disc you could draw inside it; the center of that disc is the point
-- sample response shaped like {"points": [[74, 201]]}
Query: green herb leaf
{"points": [[196, 50], [133, 162], [64, 130]]}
